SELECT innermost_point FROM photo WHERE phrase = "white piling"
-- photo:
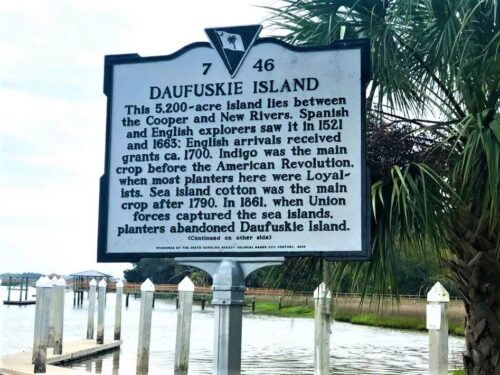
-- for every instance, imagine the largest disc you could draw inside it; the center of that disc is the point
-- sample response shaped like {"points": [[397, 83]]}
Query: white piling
{"points": [[91, 312], [147, 291], [118, 310], [322, 313], [50, 340], [437, 324], [183, 336], [101, 305], [43, 290], [58, 301]]}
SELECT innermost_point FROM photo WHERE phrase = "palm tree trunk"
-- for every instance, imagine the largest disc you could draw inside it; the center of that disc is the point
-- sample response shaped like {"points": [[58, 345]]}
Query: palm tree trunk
{"points": [[476, 272], [482, 338]]}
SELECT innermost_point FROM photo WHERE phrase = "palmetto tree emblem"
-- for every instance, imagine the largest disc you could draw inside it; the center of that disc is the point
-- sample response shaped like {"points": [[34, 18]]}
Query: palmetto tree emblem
{"points": [[232, 40], [233, 43]]}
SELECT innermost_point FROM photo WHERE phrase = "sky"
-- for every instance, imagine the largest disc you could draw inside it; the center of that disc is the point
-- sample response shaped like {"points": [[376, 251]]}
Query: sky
{"points": [[52, 114]]}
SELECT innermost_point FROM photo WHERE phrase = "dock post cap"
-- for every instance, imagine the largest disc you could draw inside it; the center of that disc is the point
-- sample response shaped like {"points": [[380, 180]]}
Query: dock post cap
{"points": [[93, 282], [438, 294], [44, 282], [119, 284], [53, 280], [147, 286], [102, 283], [186, 285], [61, 282], [322, 292]]}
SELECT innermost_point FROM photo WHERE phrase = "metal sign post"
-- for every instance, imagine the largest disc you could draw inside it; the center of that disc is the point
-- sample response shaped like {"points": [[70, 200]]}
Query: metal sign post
{"points": [[228, 287]]}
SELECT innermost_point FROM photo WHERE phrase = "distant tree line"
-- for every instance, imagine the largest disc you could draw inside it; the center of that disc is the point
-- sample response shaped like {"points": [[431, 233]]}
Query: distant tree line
{"points": [[16, 277], [164, 271], [416, 275]]}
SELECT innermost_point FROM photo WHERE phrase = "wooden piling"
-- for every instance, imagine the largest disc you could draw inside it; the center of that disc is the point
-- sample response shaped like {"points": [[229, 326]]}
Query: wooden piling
{"points": [[116, 363], [101, 305], [8, 290], [26, 290], [41, 331], [91, 311], [21, 284], [437, 324], [203, 299], [50, 341], [126, 300], [58, 301], [253, 304], [183, 334], [98, 366], [322, 313], [147, 290], [118, 310]]}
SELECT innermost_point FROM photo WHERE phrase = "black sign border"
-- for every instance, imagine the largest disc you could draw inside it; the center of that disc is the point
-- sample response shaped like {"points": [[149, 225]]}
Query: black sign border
{"points": [[363, 255]]}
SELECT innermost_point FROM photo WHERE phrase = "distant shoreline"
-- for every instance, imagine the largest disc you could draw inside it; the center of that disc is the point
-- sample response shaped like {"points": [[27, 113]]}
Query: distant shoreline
{"points": [[409, 316]]}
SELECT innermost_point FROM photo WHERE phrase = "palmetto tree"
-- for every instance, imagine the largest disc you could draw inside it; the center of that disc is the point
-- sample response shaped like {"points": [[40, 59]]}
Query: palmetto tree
{"points": [[436, 78], [232, 40]]}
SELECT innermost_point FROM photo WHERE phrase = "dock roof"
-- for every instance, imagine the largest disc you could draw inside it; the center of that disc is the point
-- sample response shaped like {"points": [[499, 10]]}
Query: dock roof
{"points": [[91, 273]]}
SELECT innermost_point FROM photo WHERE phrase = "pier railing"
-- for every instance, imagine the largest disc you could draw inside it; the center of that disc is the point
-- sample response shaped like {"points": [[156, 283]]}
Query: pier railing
{"points": [[172, 288], [132, 288]]}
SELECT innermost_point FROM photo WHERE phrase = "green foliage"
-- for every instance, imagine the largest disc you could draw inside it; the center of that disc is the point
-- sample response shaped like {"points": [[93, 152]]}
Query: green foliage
{"points": [[17, 277], [368, 319], [30, 275], [163, 271], [424, 53], [391, 321], [436, 69], [416, 274], [435, 87], [268, 308], [299, 274]]}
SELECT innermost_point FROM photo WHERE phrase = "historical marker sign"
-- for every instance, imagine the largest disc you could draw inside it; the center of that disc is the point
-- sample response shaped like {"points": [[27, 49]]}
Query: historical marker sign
{"points": [[241, 146]]}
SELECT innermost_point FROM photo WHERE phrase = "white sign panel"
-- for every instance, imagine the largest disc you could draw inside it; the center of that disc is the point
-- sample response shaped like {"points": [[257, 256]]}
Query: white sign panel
{"points": [[269, 161], [433, 316]]}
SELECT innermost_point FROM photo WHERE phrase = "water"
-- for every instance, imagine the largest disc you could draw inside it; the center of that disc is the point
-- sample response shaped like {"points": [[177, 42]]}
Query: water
{"points": [[271, 345]]}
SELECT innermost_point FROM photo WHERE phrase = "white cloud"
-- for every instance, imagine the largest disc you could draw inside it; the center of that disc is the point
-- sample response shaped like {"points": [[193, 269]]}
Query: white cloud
{"points": [[52, 118]]}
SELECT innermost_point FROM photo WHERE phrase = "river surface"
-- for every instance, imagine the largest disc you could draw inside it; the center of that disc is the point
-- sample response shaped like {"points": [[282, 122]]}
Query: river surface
{"points": [[271, 345]]}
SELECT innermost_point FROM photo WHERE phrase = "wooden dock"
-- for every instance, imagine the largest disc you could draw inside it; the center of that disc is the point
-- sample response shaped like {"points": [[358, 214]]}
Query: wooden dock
{"points": [[20, 363], [19, 303]]}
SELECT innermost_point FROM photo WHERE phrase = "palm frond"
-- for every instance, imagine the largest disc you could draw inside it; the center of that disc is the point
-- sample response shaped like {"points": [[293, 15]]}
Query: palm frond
{"points": [[433, 60], [477, 175]]}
